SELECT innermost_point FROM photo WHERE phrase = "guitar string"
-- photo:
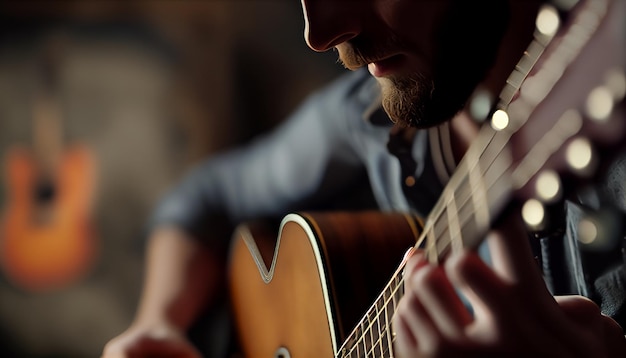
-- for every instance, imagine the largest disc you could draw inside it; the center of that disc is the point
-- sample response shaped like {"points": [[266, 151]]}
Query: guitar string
{"points": [[395, 289], [377, 316], [588, 25], [438, 216], [395, 285], [400, 281]]}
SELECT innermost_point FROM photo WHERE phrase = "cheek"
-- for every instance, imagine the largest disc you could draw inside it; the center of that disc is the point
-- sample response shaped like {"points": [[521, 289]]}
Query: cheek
{"points": [[414, 22]]}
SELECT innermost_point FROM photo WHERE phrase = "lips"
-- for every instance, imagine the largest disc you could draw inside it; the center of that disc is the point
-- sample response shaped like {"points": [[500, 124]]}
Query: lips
{"points": [[386, 66]]}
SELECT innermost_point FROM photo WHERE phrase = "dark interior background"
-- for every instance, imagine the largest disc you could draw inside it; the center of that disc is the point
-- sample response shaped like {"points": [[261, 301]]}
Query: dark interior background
{"points": [[150, 87]]}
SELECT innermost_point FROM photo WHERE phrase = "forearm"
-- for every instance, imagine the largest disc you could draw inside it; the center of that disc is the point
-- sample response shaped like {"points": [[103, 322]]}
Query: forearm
{"points": [[182, 277]]}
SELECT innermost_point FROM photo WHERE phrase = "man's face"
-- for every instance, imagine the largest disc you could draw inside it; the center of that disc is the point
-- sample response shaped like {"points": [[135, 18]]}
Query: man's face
{"points": [[427, 55]]}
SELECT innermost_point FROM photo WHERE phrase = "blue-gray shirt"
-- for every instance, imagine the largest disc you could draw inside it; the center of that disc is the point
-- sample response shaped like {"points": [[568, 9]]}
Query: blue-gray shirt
{"points": [[336, 146], [333, 144]]}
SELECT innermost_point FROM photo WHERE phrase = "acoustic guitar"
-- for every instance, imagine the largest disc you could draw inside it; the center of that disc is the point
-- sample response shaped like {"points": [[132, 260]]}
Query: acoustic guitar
{"points": [[47, 240], [321, 274], [560, 120]]}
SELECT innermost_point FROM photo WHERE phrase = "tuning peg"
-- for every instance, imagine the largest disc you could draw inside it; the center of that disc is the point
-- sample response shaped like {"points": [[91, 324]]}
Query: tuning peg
{"points": [[534, 214], [600, 230], [548, 187], [580, 157], [537, 213]]}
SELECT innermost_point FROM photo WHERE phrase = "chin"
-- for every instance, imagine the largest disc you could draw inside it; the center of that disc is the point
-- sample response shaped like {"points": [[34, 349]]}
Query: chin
{"points": [[415, 101], [404, 100]]}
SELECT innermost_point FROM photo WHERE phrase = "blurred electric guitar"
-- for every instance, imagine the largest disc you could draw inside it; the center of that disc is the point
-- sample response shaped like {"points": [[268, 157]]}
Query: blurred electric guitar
{"points": [[560, 115], [47, 241]]}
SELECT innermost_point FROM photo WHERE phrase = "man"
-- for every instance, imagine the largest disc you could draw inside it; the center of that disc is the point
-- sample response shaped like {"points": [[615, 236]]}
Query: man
{"points": [[428, 58]]}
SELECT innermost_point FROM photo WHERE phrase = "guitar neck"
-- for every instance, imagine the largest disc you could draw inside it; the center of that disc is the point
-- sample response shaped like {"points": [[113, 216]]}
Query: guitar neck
{"points": [[373, 337], [47, 130], [491, 174], [47, 133]]}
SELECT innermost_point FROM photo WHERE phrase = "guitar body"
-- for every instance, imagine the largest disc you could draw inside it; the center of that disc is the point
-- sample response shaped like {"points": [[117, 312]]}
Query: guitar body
{"points": [[48, 244], [299, 293]]}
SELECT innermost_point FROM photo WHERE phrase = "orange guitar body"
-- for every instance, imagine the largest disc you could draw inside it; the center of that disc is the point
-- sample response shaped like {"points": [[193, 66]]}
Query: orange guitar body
{"points": [[301, 294], [48, 245]]}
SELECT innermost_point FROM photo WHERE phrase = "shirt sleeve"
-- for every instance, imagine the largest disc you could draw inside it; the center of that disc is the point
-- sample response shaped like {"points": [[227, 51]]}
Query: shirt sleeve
{"points": [[305, 161]]}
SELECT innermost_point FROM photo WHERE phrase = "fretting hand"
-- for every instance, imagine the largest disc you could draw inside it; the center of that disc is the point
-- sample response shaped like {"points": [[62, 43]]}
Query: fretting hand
{"points": [[514, 313]]}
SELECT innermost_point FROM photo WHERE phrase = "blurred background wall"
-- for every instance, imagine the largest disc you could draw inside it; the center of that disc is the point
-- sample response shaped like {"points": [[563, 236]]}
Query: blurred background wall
{"points": [[149, 88]]}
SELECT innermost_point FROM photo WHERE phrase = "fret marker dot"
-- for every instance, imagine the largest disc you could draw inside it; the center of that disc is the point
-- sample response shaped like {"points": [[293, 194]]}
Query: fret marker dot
{"points": [[533, 213], [409, 181], [547, 21], [499, 120]]}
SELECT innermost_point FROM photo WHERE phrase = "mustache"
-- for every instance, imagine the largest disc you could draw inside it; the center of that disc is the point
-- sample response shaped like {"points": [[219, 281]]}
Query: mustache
{"points": [[359, 52], [352, 57]]}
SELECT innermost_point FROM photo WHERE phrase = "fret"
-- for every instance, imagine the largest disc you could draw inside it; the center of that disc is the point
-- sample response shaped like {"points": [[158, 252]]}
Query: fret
{"points": [[567, 126], [373, 335], [516, 79], [350, 347], [522, 69], [379, 337], [366, 338], [455, 227], [431, 245], [486, 177], [387, 343], [356, 345], [479, 200]]}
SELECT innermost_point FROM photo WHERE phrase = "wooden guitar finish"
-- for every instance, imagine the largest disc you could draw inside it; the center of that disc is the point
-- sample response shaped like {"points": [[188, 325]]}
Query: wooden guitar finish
{"points": [[299, 293], [47, 239], [548, 122], [46, 246]]}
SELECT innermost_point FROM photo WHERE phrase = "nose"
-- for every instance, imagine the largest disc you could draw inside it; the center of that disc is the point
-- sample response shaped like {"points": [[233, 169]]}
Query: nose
{"points": [[330, 22]]}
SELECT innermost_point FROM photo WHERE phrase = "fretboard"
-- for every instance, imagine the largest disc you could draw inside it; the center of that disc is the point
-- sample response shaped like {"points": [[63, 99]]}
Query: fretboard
{"points": [[488, 176]]}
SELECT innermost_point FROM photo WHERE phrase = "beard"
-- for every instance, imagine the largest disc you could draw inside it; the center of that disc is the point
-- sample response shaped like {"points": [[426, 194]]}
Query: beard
{"points": [[405, 99], [459, 64]]}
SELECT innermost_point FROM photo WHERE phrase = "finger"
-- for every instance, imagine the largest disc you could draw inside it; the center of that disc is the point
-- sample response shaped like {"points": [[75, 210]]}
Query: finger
{"points": [[404, 344], [516, 316], [413, 263], [585, 314], [441, 301], [419, 323], [484, 289], [511, 255], [113, 349]]}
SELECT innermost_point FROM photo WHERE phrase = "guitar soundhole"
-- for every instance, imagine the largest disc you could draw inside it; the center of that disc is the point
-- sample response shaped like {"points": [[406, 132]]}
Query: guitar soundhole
{"points": [[282, 352], [44, 192]]}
